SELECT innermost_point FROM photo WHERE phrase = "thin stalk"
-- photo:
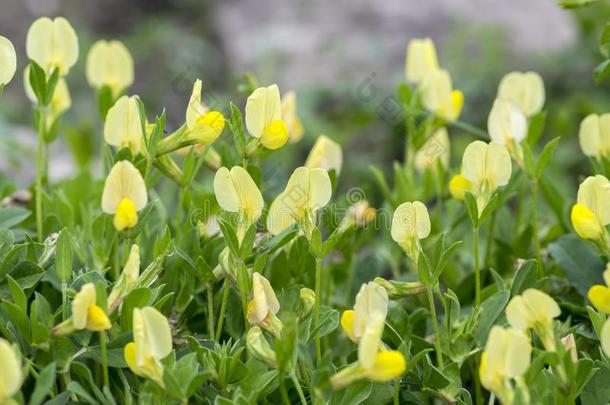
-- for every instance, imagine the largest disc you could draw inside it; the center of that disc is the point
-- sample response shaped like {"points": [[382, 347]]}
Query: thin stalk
{"points": [[179, 212], [104, 358], [42, 122], [64, 300], [223, 308], [242, 294], [297, 385], [477, 272], [397, 391], [490, 238], [284, 392], [210, 291], [316, 308], [535, 227], [437, 335]]}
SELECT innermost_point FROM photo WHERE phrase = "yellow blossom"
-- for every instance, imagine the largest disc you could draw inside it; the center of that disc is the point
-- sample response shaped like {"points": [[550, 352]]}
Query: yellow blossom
{"points": [[506, 123], [52, 44], [534, 309], [486, 167], [290, 117], [594, 136], [86, 314], [372, 299], [123, 128], [605, 337], [203, 125], [459, 186], [11, 376], [434, 150], [109, 63], [599, 295], [127, 280], [439, 97], [259, 347], [264, 305], [325, 154], [264, 117], [410, 224], [524, 89], [8, 61], [591, 213], [124, 194], [307, 191], [237, 192], [420, 60], [152, 342]]}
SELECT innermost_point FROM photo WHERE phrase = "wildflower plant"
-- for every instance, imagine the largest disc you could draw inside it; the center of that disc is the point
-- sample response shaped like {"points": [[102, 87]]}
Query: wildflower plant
{"points": [[191, 267]]}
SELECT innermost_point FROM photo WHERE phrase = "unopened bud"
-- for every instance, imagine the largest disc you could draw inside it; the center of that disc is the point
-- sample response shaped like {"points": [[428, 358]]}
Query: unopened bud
{"points": [[259, 347], [400, 289], [307, 301]]}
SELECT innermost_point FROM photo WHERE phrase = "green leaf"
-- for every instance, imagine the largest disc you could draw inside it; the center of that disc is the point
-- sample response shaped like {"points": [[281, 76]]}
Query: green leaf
{"points": [[38, 82], [536, 128], [237, 129], [601, 71], [355, 394], [526, 277], [63, 255], [11, 216], [471, 208], [529, 160], [105, 100], [581, 265], [546, 155], [50, 86], [576, 3], [44, 383], [490, 310], [18, 295], [604, 41]]}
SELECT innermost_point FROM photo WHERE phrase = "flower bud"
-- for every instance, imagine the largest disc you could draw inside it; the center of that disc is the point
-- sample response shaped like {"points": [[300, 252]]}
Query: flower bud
{"points": [[11, 376], [400, 289], [259, 347], [307, 299]]}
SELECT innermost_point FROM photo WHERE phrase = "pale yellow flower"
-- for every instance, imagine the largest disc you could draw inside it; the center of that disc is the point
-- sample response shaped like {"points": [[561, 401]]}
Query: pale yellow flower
{"points": [[459, 186], [507, 356], [86, 314], [438, 96], [599, 295], [506, 123], [594, 135], [605, 337], [109, 63], [124, 194], [8, 61], [259, 347], [486, 167], [11, 376], [410, 224], [237, 192], [591, 213], [264, 306], [123, 128], [534, 309], [434, 150], [152, 341], [420, 60], [524, 89], [203, 124], [374, 362], [127, 280], [52, 44], [372, 299], [290, 117], [264, 117], [307, 191], [325, 154]]}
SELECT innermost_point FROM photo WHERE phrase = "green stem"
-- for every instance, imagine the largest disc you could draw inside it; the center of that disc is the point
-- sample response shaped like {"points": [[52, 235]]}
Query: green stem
{"points": [[477, 273], [397, 391], [490, 239], [437, 335], [316, 308], [223, 308], [297, 385], [210, 291], [179, 212], [64, 300], [242, 293], [535, 227], [104, 358], [42, 122], [284, 392]]}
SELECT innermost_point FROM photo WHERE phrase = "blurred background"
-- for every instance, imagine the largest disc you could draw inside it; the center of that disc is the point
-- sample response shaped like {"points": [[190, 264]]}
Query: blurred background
{"points": [[344, 59]]}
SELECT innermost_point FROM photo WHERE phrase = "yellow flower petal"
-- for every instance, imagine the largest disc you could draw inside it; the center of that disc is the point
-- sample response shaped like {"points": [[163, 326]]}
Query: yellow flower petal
{"points": [[585, 223], [109, 63], [274, 135], [236, 191], [126, 215], [123, 181], [459, 186], [129, 353], [506, 123], [410, 222], [589, 135], [8, 61], [10, 377], [132, 267], [123, 128], [486, 166], [262, 108], [436, 149], [531, 309], [325, 154], [371, 301], [52, 44], [151, 334], [97, 320], [265, 300], [599, 295], [208, 127], [420, 60], [370, 341], [347, 324], [594, 193], [388, 365], [290, 117], [524, 89], [84, 299]]}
